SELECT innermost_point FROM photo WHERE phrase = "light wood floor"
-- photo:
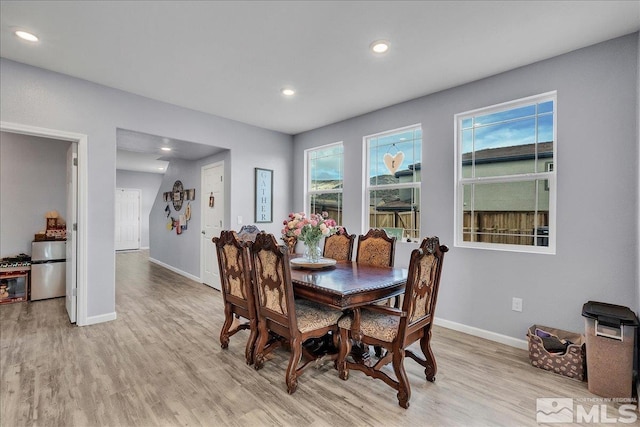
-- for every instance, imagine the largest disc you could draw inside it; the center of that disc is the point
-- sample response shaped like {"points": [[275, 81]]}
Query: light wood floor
{"points": [[160, 364]]}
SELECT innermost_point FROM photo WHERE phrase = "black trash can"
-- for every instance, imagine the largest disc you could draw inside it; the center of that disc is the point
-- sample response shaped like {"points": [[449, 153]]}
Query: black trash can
{"points": [[610, 332]]}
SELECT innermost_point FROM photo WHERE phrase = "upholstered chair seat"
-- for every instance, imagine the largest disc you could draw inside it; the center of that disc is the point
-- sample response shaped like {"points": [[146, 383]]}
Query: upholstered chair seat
{"points": [[311, 316], [376, 325]]}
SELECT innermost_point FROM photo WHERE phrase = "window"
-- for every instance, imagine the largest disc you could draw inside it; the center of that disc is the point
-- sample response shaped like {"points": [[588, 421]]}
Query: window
{"points": [[325, 171], [505, 176], [393, 182]]}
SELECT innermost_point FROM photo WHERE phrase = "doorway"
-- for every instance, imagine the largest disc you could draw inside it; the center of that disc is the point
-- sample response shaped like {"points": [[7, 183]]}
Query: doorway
{"points": [[76, 230], [212, 202], [127, 233]]}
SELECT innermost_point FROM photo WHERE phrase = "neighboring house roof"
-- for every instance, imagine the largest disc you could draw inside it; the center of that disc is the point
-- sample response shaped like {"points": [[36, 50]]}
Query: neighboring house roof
{"points": [[510, 154], [409, 170], [396, 206]]}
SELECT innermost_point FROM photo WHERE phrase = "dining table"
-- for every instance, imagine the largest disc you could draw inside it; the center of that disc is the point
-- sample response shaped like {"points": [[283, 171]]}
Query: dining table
{"points": [[347, 284]]}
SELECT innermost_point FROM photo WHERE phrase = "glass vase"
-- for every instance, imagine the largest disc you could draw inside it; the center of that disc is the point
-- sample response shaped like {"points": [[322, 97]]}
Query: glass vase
{"points": [[312, 250]]}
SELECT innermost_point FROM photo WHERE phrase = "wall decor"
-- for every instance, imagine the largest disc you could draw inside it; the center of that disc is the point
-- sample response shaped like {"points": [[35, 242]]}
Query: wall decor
{"points": [[264, 195], [177, 195]]}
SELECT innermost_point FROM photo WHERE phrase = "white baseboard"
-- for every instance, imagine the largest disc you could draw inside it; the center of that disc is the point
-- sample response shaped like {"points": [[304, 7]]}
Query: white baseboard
{"points": [[175, 270], [92, 320], [482, 333]]}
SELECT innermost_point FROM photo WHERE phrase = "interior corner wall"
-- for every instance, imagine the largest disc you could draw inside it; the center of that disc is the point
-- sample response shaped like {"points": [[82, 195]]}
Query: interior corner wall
{"points": [[149, 185], [33, 176], [180, 251], [36, 97], [597, 199]]}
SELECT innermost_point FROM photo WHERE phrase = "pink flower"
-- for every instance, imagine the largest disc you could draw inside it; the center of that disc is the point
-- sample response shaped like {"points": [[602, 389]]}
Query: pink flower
{"points": [[297, 232]]}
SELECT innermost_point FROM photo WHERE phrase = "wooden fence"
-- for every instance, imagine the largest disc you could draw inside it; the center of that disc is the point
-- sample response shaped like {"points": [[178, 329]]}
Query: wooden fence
{"points": [[515, 228], [409, 221]]}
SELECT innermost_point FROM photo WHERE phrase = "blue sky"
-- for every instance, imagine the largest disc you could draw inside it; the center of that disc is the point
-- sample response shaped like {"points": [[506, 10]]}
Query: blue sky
{"points": [[508, 128]]}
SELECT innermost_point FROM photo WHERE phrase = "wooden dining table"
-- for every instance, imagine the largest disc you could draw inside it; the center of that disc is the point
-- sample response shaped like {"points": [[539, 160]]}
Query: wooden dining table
{"points": [[348, 285]]}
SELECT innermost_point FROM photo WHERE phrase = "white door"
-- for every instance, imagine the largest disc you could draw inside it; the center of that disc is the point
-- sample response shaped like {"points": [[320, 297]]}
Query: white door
{"points": [[212, 202], [72, 240], [127, 219]]}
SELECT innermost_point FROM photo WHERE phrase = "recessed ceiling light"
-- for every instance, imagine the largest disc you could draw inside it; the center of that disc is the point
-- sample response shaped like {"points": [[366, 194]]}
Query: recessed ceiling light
{"points": [[380, 46], [161, 169], [166, 149], [288, 91], [26, 36]]}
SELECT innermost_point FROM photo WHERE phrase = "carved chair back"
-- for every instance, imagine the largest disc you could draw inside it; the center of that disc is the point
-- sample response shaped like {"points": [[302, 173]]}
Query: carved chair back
{"points": [[274, 291], [237, 288], [248, 233], [376, 248], [421, 291], [339, 246]]}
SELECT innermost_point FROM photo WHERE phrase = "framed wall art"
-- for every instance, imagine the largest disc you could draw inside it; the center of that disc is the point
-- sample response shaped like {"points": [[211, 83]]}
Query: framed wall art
{"points": [[264, 195]]}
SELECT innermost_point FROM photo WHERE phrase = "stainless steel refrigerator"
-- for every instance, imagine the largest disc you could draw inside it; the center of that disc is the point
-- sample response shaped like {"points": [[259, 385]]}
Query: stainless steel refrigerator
{"points": [[48, 269]]}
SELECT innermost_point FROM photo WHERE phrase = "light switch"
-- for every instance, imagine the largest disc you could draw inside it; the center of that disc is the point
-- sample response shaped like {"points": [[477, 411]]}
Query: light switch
{"points": [[239, 219]]}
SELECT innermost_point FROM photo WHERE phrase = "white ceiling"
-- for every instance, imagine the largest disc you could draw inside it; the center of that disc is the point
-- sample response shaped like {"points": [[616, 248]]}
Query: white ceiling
{"points": [[232, 58], [142, 152]]}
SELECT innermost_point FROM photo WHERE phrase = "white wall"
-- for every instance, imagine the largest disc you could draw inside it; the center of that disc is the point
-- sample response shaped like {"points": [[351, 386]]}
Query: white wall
{"points": [[597, 166], [36, 97], [148, 184], [33, 175]]}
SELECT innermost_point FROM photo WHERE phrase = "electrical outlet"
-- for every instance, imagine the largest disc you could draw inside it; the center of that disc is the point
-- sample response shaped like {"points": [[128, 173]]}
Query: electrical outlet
{"points": [[516, 304]]}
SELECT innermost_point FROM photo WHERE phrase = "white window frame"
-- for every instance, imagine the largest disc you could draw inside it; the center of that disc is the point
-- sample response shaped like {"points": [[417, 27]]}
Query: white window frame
{"points": [[367, 187], [307, 179], [548, 175]]}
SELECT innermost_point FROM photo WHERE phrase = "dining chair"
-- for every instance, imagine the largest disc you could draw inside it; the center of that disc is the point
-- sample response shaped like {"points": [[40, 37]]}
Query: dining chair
{"points": [[296, 320], [376, 248], [237, 292], [395, 329], [248, 233], [339, 246]]}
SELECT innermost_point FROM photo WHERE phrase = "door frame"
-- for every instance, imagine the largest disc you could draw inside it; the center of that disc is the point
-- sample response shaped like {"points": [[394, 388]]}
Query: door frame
{"points": [[83, 196], [203, 207], [139, 191]]}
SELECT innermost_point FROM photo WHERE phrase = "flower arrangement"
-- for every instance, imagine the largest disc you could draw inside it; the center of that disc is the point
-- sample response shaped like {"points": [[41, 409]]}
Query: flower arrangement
{"points": [[309, 230]]}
